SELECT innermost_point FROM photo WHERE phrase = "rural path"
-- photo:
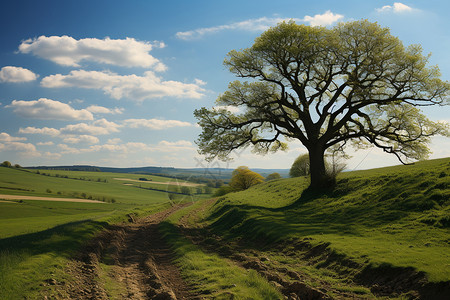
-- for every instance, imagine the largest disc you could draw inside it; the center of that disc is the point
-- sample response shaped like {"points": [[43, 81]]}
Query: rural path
{"points": [[139, 264]]}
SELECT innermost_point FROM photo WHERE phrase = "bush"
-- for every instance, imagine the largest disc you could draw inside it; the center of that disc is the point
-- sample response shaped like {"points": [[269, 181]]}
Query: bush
{"points": [[186, 190], [300, 167], [243, 178], [6, 164], [223, 190], [273, 176]]}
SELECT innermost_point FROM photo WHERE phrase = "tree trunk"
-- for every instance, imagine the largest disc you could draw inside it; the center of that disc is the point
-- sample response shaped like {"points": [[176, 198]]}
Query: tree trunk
{"points": [[319, 178]]}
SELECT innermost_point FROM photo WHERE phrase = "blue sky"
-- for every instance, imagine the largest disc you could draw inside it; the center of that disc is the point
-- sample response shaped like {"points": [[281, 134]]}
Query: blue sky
{"points": [[114, 83]]}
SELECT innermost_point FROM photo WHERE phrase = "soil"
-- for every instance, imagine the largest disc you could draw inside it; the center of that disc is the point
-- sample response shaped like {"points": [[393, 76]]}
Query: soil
{"points": [[19, 197], [139, 262]]}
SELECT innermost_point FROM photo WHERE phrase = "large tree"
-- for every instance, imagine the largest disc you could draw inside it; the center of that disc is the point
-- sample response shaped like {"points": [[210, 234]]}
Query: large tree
{"points": [[325, 87]]}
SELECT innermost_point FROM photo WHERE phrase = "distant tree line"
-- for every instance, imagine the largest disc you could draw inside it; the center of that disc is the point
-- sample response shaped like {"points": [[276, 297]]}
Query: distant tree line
{"points": [[8, 164]]}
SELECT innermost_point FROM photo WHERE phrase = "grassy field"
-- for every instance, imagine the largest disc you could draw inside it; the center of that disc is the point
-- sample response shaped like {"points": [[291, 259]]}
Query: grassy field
{"points": [[38, 237], [395, 218], [383, 222], [210, 274]]}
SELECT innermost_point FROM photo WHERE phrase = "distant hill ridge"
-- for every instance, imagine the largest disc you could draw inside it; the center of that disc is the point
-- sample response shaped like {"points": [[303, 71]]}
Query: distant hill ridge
{"points": [[220, 173]]}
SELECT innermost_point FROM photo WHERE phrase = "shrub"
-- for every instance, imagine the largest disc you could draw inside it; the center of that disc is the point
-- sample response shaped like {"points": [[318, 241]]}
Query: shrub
{"points": [[243, 178], [223, 190]]}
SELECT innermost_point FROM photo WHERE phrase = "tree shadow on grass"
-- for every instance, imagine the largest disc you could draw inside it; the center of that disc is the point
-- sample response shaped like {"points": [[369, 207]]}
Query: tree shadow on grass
{"points": [[64, 239], [315, 212]]}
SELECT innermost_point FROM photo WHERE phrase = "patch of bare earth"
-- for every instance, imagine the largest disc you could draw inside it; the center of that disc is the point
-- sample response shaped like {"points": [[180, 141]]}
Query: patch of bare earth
{"points": [[140, 264]]}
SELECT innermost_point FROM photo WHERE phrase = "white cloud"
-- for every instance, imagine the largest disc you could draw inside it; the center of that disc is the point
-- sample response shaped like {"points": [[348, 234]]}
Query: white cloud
{"points": [[155, 123], [96, 109], [45, 144], [44, 131], [87, 139], [47, 109], [325, 19], [396, 8], [260, 24], [67, 51], [181, 143], [131, 147], [4, 137], [27, 149], [114, 141], [64, 149], [99, 127], [16, 74], [133, 87]]}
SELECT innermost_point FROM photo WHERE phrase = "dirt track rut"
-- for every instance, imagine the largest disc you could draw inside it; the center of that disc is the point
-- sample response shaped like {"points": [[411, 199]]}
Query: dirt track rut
{"points": [[140, 264]]}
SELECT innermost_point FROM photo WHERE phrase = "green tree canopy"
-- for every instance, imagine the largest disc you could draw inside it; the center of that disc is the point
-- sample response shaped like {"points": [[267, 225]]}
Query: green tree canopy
{"points": [[273, 176], [6, 164], [300, 167], [353, 84], [242, 178]]}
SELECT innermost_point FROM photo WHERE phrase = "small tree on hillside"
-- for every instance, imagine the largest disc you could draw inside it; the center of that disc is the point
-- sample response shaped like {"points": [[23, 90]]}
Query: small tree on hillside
{"points": [[186, 190], [6, 164], [300, 167], [242, 178], [333, 166], [273, 176]]}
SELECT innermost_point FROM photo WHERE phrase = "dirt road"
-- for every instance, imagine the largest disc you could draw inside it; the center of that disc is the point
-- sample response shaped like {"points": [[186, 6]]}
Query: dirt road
{"points": [[139, 265]]}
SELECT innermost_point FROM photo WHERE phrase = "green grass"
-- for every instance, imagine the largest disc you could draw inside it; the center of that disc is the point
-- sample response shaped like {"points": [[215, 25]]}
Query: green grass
{"points": [[38, 237], [397, 216], [212, 276], [28, 260]]}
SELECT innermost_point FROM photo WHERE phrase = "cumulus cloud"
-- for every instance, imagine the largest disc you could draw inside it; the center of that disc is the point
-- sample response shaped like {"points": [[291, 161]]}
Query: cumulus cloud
{"points": [[397, 7], [85, 139], [129, 147], [96, 109], [114, 141], [45, 144], [16, 74], [99, 127], [325, 19], [27, 149], [133, 87], [67, 51], [44, 131], [155, 124], [260, 24], [47, 109], [5, 137]]}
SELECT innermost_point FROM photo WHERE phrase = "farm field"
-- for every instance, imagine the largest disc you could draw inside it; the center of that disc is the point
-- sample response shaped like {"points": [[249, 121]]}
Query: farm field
{"points": [[46, 217]]}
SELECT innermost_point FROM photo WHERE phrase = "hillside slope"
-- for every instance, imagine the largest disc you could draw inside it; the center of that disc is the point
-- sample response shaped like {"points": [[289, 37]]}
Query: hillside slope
{"points": [[381, 232]]}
